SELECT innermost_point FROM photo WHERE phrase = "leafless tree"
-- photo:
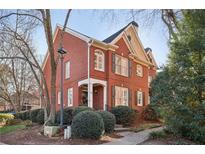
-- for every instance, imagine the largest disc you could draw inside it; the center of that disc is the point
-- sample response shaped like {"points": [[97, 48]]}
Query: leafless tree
{"points": [[21, 30]]}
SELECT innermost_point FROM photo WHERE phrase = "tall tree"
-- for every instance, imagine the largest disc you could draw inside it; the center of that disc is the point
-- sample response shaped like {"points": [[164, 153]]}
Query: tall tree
{"points": [[181, 86]]}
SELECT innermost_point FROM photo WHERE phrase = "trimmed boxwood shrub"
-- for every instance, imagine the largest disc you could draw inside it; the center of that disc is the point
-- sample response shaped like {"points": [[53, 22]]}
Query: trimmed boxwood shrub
{"points": [[124, 115], [149, 113], [67, 116], [87, 124], [80, 109], [33, 115], [40, 117], [109, 120]]}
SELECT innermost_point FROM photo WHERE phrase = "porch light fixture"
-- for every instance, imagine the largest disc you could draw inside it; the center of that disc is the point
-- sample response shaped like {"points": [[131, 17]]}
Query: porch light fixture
{"points": [[61, 51]]}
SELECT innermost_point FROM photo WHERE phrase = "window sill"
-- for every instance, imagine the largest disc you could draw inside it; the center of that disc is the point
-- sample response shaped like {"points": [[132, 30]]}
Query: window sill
{"points": [[101, 70]]}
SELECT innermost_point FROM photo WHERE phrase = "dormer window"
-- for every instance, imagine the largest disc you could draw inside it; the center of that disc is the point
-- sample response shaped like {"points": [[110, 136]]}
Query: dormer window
{"points": [[99, 59]]}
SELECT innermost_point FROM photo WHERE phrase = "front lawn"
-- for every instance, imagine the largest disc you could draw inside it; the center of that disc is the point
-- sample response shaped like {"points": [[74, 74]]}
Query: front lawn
{"points": [[8, 129]]}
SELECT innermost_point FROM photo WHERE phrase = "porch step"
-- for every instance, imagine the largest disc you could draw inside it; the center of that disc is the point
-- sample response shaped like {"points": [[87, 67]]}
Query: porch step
{"points": [[121, 129], [118, 126]]}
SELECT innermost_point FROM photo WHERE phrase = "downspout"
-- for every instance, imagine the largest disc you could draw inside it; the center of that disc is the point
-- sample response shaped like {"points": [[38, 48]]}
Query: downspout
{"points": [[89, 44]]}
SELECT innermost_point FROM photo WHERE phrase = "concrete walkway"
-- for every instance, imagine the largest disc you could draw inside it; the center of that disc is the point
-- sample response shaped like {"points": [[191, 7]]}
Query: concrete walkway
{"points": [[132, 138]]}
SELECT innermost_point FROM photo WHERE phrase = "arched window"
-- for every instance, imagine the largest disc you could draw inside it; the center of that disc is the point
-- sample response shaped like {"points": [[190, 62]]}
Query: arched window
{"points": [[99, 60]]}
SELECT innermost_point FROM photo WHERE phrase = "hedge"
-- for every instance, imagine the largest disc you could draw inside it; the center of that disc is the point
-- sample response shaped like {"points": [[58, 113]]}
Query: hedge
{"points": [[80, 109], [67, 116], [87, 124], [109, 120], [124, 115]]}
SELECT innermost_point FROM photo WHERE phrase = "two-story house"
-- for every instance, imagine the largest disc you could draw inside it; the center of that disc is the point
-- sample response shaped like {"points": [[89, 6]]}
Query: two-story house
{"points": [[103, 74]]}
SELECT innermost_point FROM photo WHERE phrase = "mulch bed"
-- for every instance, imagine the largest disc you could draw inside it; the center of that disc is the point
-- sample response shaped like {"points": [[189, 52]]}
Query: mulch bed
{"points": [[32, 135]]}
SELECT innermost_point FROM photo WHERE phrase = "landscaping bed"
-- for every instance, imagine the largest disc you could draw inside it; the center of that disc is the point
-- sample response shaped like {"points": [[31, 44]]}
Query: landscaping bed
{"points": [[164, 138], [32, 136]]}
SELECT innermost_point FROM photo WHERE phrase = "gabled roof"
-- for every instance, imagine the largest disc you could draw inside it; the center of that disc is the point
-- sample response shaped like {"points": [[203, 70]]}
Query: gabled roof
{"points": [[112, 37]]}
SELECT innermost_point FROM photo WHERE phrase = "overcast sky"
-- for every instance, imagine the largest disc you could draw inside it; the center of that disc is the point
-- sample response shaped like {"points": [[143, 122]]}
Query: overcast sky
{"points": [[91, 23]]}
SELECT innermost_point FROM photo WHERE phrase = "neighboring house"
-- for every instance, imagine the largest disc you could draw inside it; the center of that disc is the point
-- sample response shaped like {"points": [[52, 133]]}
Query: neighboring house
{"points": [[103, 74], [28, 102]]}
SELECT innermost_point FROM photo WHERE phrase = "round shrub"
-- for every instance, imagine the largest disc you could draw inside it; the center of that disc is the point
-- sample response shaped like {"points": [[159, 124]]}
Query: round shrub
{"points": [[40, 117], [67, 116], [124, 115], [33, 115], [87, 124], [80, 109], [25, 115], [149, 113], [109, 120]]}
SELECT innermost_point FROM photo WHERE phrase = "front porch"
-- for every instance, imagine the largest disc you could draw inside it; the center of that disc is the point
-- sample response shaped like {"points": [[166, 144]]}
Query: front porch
{"points": [[93, 93]]}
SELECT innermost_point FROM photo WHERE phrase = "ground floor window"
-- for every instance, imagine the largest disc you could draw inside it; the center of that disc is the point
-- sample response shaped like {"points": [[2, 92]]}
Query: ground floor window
{"points": [[121, 96], [139, 98], [59, 97], [70, 97]]}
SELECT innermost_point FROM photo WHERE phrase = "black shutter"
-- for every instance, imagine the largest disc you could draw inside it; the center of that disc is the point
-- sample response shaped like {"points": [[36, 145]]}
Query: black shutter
{"points": [[136, 100], [129, 68], [113, 96], [113, 62], [130, 98], [143, 97]]}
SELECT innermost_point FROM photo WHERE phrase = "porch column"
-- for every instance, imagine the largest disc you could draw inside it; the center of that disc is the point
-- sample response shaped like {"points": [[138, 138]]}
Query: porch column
{"points": [[90, 95], [105, 97]]}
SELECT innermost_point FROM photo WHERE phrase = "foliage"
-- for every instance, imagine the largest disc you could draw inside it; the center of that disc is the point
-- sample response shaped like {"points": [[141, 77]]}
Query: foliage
{"points": [[157, 134], [180, 88], [87, 124], [80, 109], [124, 115], [13, 122], [4, 117], [27, 122], [40, 117], [8, 129], [149, 113], [33, 115], [109, 120], [146, 126], [67, 116]]}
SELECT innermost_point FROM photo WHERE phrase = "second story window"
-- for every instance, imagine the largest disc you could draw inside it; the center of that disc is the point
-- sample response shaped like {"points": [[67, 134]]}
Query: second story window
{"points": [[67, 70], [121, 65], [99, 60], [139, 70]]}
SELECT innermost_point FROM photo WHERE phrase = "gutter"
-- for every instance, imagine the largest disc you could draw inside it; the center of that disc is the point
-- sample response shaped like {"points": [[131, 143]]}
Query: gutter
{"points": [[89, 44]]}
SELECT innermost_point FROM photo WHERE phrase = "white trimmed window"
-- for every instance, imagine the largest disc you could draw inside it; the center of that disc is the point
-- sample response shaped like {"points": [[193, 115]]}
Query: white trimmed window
{"points": [[67, 70], [59, 97], [121, 96], [149, 80], [99, 59], [121, 65], [70, 97], [139, 98], [139, 70]]}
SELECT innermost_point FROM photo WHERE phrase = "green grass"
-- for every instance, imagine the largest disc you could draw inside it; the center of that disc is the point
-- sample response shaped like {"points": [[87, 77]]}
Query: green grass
{"points": [[8, 129], [146, 126]]}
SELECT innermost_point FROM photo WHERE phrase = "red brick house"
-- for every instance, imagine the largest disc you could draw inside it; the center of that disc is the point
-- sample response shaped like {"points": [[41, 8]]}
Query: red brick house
{"points": [[102, 74]]}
